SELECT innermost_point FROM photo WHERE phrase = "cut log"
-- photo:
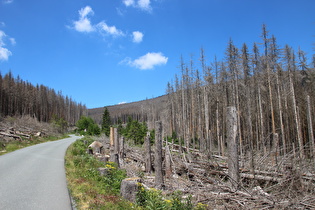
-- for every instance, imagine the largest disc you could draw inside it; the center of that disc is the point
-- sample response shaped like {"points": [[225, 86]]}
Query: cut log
{"points": [[11, 135]]}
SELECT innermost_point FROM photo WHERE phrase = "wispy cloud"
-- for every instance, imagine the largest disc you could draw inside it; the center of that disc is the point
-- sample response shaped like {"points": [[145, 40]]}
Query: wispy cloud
{"points": [[111, 30], [129, 2], [84, 23], [140, 4], [147, 61], [4, 52], [137, 36], [7, 1]]}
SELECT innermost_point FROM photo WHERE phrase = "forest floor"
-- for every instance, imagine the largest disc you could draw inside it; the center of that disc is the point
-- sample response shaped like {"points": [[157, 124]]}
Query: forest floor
{"points": [[288, 184]]}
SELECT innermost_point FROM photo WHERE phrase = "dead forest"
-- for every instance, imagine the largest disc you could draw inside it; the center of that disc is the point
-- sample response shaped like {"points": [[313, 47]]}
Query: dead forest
{"points": [[269, 158], [19, 98]]}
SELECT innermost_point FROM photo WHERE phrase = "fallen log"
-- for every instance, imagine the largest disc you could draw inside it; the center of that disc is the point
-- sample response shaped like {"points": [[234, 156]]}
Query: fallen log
{"points": [[23, 134], [11, 135]]}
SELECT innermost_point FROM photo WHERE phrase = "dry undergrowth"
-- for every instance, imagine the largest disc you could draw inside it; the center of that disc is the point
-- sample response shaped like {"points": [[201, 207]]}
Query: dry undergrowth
{"points": [[289, 184]]}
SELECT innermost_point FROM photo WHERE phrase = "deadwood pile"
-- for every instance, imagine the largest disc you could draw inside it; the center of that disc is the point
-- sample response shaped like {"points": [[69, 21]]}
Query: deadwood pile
{"points": [[23, 129], [290, 184]]}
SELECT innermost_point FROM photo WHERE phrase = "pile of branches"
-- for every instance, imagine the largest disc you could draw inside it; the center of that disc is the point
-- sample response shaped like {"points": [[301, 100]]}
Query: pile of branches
{"points": [[206, 179]]}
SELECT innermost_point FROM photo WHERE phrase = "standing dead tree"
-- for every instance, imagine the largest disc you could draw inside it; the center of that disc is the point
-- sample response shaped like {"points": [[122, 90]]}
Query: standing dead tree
{"points": [[233, 164], [159, 181], [148, 162]]}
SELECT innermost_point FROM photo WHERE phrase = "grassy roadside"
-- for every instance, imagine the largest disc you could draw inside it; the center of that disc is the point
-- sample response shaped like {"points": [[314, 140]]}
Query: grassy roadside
{"points": [[90, 190], [15, 145], [87, 187]]}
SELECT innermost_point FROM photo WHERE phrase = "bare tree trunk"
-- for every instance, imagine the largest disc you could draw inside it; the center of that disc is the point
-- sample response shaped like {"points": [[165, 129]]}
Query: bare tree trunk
{"points": [[233, 164], [310, 126], [297, 123], [116, 141], [274, 144], [220, 142], [281, 117], [168, 163], [262, 135], [114, 147], [111, 136], [159, 181], [148, 162]]}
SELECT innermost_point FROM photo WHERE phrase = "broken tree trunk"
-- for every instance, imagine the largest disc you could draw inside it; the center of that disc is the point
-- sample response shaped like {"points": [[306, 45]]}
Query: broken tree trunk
{"points": [[111, 136], [116, 141], [168, 164], [114, 146], [159, 182], [231, 132], [148, 162]]}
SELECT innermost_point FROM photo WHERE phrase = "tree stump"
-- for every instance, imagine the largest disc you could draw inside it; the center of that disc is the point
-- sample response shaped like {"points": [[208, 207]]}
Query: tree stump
{"points": [[129, 188], [103, 171]]}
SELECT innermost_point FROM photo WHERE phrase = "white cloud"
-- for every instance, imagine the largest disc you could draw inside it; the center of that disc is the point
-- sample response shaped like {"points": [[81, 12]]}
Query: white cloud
{"points": [[141, 4], [144, 4], [112, 30], [129, 2], [85, 11], [84, 23], [147, 61], [4, 52], [137, 36], [122, 103]]}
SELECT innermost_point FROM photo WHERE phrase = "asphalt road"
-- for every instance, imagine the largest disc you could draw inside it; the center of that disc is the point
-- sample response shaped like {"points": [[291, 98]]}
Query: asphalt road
{"points": [[34, 177]]}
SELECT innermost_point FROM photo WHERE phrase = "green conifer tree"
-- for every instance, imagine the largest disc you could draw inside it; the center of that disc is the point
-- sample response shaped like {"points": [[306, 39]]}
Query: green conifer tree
{"points": [[106, 123]]}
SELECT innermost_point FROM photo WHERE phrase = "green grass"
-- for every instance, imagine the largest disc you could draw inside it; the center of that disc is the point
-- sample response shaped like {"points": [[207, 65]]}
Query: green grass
{"points": [[15, 145], [89, 189]]}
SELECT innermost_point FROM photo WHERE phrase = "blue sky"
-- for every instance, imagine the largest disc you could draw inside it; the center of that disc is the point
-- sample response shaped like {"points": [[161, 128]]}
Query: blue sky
{"points": [[105, 52]]}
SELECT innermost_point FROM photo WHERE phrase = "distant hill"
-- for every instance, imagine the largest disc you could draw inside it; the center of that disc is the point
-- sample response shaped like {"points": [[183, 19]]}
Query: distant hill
{"points": [[140, 110]]}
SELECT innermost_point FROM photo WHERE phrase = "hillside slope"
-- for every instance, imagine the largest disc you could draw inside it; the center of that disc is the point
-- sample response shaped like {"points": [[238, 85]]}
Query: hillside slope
{"points": [[140, 110]]}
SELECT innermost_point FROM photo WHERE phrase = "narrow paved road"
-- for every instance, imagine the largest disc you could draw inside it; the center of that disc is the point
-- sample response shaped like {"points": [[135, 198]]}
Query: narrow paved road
{"points": [[34, 177]]}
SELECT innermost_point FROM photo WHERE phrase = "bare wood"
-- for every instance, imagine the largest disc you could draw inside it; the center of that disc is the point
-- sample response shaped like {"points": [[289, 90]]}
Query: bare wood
{"points": [[23, 134], [310, 126], [111, 136], [11, 135], [168, 165], [296, 118], [159, 181], [148, 162], [116, 141], [233, 163]]}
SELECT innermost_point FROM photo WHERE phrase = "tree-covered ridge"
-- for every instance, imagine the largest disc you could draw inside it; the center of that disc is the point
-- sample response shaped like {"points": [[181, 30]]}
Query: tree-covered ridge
{"points": [[19, 98]]}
